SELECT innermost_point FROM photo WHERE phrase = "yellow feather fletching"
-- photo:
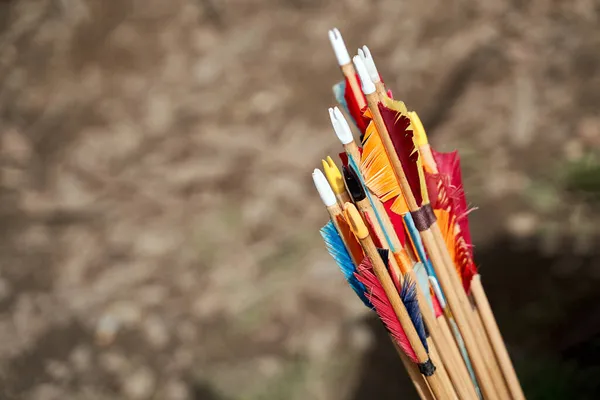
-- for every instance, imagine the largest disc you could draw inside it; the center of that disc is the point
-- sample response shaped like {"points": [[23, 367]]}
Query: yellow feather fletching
{"points": [[422, 181], [418, 130], [420, 138], [396, 105]]}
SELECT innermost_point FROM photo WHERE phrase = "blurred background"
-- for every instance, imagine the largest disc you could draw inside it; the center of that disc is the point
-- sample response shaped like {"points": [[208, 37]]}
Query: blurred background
{"points": [[158, 222]]}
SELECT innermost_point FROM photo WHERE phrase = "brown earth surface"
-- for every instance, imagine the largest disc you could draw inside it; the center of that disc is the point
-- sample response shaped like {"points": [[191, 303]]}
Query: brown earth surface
{"points": [[159, 226]]}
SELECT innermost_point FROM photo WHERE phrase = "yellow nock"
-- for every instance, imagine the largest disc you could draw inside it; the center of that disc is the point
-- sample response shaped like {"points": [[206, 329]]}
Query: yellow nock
{"points": [[355, 221], [334, 176]]}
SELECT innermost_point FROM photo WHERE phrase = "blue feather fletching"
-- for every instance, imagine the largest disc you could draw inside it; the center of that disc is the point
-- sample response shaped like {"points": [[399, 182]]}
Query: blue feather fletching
{"points": [[338, 91], [340, 254], [423, 282], [409, 298]]}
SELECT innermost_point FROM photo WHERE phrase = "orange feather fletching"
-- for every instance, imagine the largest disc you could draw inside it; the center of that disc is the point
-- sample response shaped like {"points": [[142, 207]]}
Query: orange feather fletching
{"points": [[354, 247], [377, 171]]}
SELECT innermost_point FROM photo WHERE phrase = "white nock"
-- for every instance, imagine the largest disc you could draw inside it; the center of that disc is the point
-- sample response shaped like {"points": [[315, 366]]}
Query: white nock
{"points": [[367, 58], [340, 126], [325, 191], [337, 42], [368, 86]]}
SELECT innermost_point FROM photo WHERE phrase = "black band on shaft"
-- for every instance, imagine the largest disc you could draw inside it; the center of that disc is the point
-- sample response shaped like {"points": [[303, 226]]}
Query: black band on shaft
{"points": [[424, 217], [427, 368], [430, 214]]}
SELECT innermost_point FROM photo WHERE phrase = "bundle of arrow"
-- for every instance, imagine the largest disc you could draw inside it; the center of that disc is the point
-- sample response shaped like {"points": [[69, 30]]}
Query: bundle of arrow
{"points": [[399, 232]]}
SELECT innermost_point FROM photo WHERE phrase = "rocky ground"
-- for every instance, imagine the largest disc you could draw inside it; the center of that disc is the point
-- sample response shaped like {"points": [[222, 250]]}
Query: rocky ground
{"points": [[159, 227]]}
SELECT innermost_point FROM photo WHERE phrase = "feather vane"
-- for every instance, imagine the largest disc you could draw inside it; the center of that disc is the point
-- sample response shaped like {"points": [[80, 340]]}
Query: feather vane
{"points": [[383, 307], [449, 164], [337, 250], [378, 173], [339, 89], [353, 106], [354, 247], [423, 281], [449, 201], [396, 220], [409, 298], [395, 117]]}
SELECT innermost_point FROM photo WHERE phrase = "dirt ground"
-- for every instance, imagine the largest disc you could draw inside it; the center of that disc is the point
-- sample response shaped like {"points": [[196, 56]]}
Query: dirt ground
{"points": [[159, 225]]}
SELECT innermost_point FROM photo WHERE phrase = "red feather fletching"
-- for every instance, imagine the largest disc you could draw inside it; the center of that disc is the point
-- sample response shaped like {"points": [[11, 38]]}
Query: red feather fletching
{"points": [[449, 165], [396, 220], [353, 108], [383, 307], [343, 158], [402, 138], [447, 192], [376, 239]]}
